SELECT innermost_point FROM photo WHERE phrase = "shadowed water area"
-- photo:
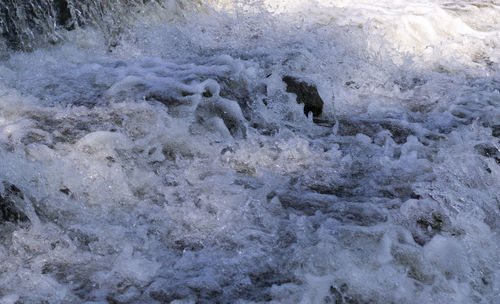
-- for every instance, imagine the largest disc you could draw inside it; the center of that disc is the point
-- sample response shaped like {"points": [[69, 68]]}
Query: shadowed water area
{"points": [[249, 151]]}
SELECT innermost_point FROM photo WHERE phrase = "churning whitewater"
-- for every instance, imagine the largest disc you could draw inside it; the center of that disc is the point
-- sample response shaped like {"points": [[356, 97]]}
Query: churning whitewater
{"points": [[158, 152]]}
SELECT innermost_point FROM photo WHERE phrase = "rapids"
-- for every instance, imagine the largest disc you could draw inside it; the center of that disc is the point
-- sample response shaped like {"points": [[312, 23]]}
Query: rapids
{"points": [[150, 152]]}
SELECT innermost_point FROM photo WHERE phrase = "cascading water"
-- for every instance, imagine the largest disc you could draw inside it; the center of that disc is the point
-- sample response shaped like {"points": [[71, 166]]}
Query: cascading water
{"points": [[158, 151], [33, 23]]}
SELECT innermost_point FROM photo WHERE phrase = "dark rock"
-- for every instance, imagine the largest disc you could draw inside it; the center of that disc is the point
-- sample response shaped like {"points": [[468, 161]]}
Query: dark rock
{"points": [[9, 209], [495, 130], [488, 150], [306, 94]]}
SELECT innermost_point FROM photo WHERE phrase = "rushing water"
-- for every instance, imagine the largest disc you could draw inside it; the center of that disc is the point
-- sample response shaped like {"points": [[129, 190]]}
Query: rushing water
{"points": [[151, 153]]}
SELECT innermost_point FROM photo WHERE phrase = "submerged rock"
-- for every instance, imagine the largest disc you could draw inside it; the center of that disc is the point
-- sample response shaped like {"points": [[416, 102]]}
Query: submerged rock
{"points": [[9, 210], [306, 94]]}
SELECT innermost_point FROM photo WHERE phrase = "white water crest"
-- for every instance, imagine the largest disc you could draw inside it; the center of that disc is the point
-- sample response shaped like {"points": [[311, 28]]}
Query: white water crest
{"points": [[158, 157]]}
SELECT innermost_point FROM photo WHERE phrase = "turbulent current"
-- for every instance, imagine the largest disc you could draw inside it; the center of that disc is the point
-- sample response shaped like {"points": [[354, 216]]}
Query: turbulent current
{"points": [[158, 151]]}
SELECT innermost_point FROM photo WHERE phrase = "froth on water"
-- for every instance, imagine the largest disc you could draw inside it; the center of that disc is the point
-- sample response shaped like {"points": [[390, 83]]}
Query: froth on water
{"points": [[158, 152]]}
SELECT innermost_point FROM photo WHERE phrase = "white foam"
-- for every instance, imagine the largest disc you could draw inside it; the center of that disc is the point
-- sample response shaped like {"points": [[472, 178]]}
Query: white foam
{"points": [[175, 166]]}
